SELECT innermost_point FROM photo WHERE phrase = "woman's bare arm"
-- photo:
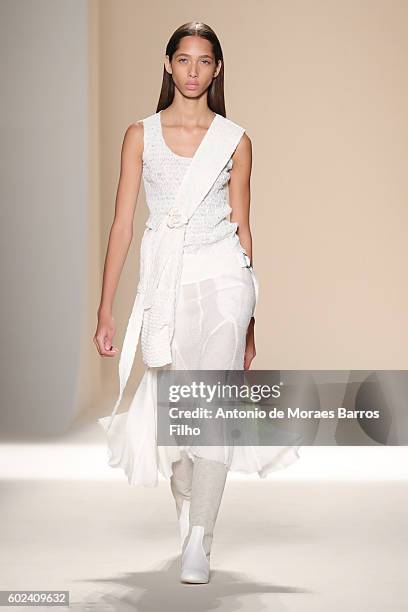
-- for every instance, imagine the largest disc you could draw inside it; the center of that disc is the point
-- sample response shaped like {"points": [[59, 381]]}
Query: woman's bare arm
{"points": [[240, 198], [121, 233], [240, 192]]}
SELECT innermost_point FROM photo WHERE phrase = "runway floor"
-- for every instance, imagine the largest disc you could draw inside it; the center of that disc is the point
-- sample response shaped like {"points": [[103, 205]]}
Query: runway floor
{"points": [[327, 534]]}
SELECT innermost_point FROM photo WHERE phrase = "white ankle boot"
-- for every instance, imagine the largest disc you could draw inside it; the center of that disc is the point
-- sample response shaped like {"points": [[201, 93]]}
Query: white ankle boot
{"points": [[184, 521], [195, 567]]}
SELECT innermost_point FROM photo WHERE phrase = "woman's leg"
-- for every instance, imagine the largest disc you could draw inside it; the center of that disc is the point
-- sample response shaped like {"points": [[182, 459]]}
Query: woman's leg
{"points": [[211, 323], [181, 481], [208, 484], [197, 488], [180, 484]]}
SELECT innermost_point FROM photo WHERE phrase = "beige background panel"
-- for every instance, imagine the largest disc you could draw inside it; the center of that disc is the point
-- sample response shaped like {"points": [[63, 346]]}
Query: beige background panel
{"points": [[45, 246], [322, 89]]}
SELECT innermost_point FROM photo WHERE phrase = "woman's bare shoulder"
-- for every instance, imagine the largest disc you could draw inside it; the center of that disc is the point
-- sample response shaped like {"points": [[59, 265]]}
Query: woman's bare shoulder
{"points": [[243, 152], [133, 139], [135, 131], [245, 144]]}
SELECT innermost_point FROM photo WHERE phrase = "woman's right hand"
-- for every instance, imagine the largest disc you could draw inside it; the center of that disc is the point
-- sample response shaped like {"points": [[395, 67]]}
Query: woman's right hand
{"points": [[104, 335]]}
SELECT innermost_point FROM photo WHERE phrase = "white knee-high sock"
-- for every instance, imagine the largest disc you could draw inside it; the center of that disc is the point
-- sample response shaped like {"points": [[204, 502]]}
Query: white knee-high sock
{"points": [[208, 483], [181, 480]]}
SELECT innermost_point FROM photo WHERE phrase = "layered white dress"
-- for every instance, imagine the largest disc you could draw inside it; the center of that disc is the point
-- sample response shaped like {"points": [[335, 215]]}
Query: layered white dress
{"points": [[217, 296]]}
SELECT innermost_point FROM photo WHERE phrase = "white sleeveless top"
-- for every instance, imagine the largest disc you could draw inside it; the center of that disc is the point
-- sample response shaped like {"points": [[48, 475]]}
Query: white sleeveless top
{"points": [[203, 209], [163, 171]]}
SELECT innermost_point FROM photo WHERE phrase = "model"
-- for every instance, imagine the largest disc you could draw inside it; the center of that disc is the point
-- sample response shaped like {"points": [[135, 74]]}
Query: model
{"points": [[197, 291]]}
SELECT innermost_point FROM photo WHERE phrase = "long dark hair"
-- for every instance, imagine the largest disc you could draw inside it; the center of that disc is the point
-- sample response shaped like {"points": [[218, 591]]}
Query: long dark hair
{"points": [[215, 93]]}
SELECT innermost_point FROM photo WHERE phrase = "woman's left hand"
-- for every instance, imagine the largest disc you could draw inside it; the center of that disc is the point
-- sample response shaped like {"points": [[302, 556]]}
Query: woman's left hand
{"points": [[250, 351]]}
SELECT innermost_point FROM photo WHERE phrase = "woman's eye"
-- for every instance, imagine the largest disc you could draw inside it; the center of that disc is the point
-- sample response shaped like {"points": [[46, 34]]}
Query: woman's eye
{"points": [[183, 59]]}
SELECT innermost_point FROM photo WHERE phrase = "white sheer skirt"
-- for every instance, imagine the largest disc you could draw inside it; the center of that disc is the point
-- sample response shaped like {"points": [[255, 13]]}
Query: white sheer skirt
{"points": [[216, 301]]}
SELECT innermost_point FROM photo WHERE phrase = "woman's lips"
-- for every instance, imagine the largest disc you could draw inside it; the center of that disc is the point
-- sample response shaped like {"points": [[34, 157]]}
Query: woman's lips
{"points": [[191, 85]]}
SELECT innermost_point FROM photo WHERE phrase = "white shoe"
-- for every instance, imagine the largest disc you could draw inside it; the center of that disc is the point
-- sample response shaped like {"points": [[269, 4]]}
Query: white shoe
{"points": [[184, 521], [195, 567]]}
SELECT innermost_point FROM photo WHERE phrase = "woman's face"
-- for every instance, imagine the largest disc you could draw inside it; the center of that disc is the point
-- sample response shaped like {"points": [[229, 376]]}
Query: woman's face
{"points": [[193, 66]]}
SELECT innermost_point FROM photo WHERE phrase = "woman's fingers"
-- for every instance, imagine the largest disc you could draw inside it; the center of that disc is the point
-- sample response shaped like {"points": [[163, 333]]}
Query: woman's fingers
{"points": [[249, 355], [104, 345]]}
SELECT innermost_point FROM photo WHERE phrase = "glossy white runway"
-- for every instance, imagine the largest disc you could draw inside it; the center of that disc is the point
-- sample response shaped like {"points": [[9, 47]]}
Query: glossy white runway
{"points": [[322, 535], [82, 456]]}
